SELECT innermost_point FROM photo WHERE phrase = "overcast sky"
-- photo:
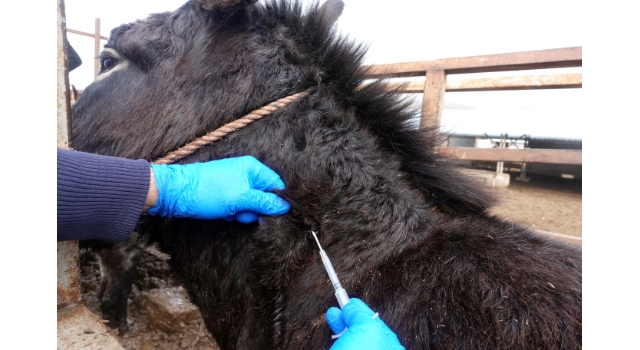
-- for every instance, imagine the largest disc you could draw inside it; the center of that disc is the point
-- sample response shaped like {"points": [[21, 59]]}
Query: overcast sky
{"points": [[416, 30]]}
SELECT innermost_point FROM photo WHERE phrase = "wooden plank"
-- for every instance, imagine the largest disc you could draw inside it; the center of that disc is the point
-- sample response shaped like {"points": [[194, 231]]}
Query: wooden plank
{"points": [[530, 82], [553, 58], [550, 156], [79, 32], [433, 100]]}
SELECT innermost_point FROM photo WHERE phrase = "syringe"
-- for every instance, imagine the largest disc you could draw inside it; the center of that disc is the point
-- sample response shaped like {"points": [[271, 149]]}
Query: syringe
{"points": [[341, 294]]}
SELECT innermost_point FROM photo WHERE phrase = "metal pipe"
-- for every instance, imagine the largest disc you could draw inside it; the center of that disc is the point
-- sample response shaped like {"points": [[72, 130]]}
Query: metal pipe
{"points": [[96, 36]]}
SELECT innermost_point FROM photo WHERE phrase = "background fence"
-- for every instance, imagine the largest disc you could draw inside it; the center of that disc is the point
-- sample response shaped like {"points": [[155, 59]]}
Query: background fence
{"points": [[437, 81]]}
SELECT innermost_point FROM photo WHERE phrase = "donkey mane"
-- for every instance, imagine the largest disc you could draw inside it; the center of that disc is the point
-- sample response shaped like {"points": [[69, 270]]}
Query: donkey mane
{"points": [[327, 64], [337, 62]]}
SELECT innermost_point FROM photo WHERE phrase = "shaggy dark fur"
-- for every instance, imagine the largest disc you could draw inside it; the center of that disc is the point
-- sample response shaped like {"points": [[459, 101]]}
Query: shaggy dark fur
{"points": [[406, 232]]}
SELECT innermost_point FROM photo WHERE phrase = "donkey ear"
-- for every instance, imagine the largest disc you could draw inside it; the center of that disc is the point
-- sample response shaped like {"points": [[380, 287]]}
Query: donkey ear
{"points": [[331, 10], [224, 5]]}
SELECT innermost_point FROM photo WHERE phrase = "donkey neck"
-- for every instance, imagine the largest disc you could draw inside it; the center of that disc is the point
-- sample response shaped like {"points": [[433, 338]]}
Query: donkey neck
{"points": [[345, 184]]}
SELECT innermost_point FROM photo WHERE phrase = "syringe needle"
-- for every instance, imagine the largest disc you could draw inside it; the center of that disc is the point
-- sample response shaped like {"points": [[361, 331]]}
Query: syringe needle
{"points": [[341, 294], [317, 241]]}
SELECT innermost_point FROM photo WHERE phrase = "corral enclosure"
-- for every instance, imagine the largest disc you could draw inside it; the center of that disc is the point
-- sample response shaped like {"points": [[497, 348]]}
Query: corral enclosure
{"points": [[545, 203]]}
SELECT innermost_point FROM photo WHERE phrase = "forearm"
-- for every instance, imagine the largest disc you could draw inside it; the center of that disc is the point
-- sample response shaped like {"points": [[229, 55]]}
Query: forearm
{"points": [[152, 194], [99, 197]]}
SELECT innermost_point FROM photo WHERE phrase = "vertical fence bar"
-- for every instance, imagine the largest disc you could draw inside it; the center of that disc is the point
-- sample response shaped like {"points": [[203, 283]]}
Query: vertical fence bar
{"points": [[77, 327], [96, 36], [433, 100], [68, 252], [64, 123]]}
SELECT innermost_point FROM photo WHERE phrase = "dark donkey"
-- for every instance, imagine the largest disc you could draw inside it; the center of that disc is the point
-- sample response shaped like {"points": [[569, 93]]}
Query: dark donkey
{"points": [[407, 233]]}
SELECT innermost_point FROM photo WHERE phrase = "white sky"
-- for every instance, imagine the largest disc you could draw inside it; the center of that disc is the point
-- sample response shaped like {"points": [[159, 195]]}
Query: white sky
{"points": [[416, 30]]}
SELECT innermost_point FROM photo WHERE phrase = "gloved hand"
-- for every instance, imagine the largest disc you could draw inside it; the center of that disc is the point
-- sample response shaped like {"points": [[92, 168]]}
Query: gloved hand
{"points": [[231, 189], [362, 332]]}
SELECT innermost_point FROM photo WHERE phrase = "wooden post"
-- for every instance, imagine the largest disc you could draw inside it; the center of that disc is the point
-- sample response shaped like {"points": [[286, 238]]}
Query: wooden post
{"points": [[433, 100], [96, 36]]}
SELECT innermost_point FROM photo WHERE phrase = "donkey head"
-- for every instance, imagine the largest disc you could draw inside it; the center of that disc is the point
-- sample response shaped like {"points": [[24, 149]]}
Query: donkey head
{"points": [[174, 76]]}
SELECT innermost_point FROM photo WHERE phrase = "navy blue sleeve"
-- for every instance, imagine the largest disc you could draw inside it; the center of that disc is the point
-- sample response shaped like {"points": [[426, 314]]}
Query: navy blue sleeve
{"points": [[99, 197]]}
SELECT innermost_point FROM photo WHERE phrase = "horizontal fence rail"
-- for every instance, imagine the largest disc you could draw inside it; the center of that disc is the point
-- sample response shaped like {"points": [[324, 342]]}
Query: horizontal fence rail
{"points": [[540, 59], [96, 47], [91, 35], [436, 83], [550, 156], [533, 82]]}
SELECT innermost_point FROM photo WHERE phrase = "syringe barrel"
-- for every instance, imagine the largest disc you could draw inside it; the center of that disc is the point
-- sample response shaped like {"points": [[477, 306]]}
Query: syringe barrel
{"points": [[330, 271], [341, 294], [343, 298]]}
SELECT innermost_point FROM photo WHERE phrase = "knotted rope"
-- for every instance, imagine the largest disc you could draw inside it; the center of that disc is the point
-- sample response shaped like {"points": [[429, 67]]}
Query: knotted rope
{"points": [[226, 129]]}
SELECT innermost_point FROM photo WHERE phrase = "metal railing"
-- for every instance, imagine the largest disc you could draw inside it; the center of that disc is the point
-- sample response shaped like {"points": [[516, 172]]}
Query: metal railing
{"points": [[77, 327], [96, 47]]}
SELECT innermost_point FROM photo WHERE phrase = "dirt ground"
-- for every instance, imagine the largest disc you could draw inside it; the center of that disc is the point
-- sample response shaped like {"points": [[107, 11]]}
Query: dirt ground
{"points": [[153, 273], [545, 203]]}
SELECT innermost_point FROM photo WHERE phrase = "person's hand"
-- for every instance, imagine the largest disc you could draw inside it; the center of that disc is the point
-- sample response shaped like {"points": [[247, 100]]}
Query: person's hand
{"points": [[231, 189], [362, 331]]}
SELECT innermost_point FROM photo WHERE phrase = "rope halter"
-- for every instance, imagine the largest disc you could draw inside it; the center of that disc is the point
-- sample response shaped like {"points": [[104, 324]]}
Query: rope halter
{"points": [[228, 128]]}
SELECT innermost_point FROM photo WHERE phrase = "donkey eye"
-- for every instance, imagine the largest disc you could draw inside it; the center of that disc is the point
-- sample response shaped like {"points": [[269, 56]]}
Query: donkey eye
{"points": [[110, 61], [107, 63]]}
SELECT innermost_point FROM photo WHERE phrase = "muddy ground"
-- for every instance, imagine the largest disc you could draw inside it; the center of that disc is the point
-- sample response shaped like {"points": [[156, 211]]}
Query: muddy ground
{"points": [[544, 203]]}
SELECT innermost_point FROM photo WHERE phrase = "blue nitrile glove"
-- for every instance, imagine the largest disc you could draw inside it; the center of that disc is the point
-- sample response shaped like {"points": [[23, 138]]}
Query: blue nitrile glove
{"points": [[231, 189], [363, 332]]}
